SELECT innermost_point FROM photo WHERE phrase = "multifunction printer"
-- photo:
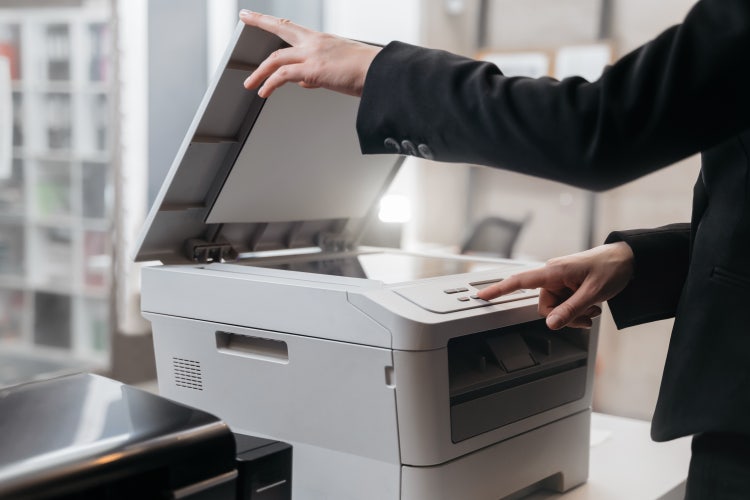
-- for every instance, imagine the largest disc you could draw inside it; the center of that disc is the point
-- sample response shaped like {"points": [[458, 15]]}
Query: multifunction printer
{"points": [[381, 368]]}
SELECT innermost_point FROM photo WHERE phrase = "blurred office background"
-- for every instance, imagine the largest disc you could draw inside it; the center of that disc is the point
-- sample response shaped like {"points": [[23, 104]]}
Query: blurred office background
{"points": [[96, 95]]}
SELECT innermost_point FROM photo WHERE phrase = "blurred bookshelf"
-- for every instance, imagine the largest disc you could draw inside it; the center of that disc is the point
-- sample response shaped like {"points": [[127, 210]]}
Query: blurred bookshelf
{"points": [[56, 203]]}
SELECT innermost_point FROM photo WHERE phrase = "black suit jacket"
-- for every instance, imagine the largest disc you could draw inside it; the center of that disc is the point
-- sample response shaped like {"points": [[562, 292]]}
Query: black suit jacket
{"points": [[685, 92]]}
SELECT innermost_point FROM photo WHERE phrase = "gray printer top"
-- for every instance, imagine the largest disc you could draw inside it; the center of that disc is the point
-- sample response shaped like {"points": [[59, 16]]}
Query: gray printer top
{"points": [[258, 174]]}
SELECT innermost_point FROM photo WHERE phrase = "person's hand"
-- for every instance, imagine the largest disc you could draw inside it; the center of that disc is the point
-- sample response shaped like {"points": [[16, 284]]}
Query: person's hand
{"points": [[574, 285], [314, 59]]}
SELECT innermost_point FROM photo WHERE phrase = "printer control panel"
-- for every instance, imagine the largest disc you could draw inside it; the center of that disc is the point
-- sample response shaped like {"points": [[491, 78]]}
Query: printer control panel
{"points": [[456, 294]]}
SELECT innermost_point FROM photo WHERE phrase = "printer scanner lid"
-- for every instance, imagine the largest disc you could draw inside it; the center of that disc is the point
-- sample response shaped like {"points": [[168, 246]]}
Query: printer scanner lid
{"points": [[258, 174]]}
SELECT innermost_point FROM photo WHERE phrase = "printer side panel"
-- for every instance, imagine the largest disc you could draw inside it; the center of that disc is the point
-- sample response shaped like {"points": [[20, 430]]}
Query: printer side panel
{"points": [[334, 402]]}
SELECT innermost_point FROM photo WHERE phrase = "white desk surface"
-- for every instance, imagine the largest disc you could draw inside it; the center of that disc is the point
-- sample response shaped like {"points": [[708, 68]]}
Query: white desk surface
{"points": [[626, 465]]}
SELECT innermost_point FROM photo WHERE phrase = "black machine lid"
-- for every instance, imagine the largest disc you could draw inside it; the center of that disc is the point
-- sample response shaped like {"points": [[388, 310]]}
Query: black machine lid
{"points": [[84, 431], [264, 174]]}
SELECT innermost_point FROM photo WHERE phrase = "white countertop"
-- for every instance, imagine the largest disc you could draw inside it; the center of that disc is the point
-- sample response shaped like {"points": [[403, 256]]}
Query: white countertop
{"points": [[626, 465]]}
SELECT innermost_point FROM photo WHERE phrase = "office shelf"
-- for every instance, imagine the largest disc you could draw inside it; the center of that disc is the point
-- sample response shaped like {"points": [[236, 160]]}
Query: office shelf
{"points": [[56, 207]]}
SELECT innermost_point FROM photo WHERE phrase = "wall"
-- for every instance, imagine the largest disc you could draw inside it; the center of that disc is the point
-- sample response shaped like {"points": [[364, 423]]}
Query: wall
{"points": [[373, 21], [541, 23]]}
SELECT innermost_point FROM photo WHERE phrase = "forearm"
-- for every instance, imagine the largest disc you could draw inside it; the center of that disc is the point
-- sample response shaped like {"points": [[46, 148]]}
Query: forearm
{"points": [[663, 102]]}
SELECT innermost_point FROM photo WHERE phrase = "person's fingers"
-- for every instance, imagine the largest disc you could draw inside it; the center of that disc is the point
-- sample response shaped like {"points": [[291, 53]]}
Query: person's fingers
{"points": [[570, 309], [529, 279], [271, 64], [586, 320], [549, 299], [581, 322], [289, 73], [593, 312], [283, 28]]}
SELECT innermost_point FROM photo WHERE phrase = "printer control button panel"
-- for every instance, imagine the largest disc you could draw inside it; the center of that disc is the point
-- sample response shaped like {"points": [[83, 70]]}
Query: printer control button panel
{"points": [[457, 295]]}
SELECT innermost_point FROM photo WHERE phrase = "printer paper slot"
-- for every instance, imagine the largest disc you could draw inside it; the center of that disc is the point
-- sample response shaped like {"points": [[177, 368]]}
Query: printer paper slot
{"points": [[275, 351], [501, 376]]}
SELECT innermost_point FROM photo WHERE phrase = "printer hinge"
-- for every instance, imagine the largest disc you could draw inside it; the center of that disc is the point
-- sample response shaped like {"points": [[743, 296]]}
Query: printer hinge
{"points": [[206, 251], [335, 242]]}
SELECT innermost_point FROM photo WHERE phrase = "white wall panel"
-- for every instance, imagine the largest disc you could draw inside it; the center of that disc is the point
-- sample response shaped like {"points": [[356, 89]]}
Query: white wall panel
{"points": [[378, 21]]}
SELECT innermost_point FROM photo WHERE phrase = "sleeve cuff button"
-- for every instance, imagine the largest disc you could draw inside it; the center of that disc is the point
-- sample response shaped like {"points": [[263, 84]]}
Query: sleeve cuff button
{"points": [[425, 151], [391, 143]]}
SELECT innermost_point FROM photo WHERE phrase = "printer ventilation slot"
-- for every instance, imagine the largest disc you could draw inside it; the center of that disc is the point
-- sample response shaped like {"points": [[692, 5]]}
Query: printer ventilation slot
{"points": [[187, 373]]}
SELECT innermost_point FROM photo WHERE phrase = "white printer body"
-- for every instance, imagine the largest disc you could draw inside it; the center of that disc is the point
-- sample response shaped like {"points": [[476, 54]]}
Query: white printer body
{"points": [[389, 379]]}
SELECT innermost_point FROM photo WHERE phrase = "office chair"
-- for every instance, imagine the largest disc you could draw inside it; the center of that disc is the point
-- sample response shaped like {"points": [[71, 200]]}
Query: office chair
{"points": [[494, 236]]}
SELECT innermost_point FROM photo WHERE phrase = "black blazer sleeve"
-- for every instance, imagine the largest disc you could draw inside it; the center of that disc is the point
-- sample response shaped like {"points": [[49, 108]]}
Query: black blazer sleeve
{"points": [[661, 265], [683, 92]]}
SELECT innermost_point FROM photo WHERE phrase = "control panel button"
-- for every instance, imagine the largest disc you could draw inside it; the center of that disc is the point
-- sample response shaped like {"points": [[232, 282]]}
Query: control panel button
{"points": [[458, 293]]}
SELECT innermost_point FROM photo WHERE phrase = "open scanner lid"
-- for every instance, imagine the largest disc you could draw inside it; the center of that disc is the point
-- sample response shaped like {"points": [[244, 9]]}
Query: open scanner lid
{"points": [[258, 174]]}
